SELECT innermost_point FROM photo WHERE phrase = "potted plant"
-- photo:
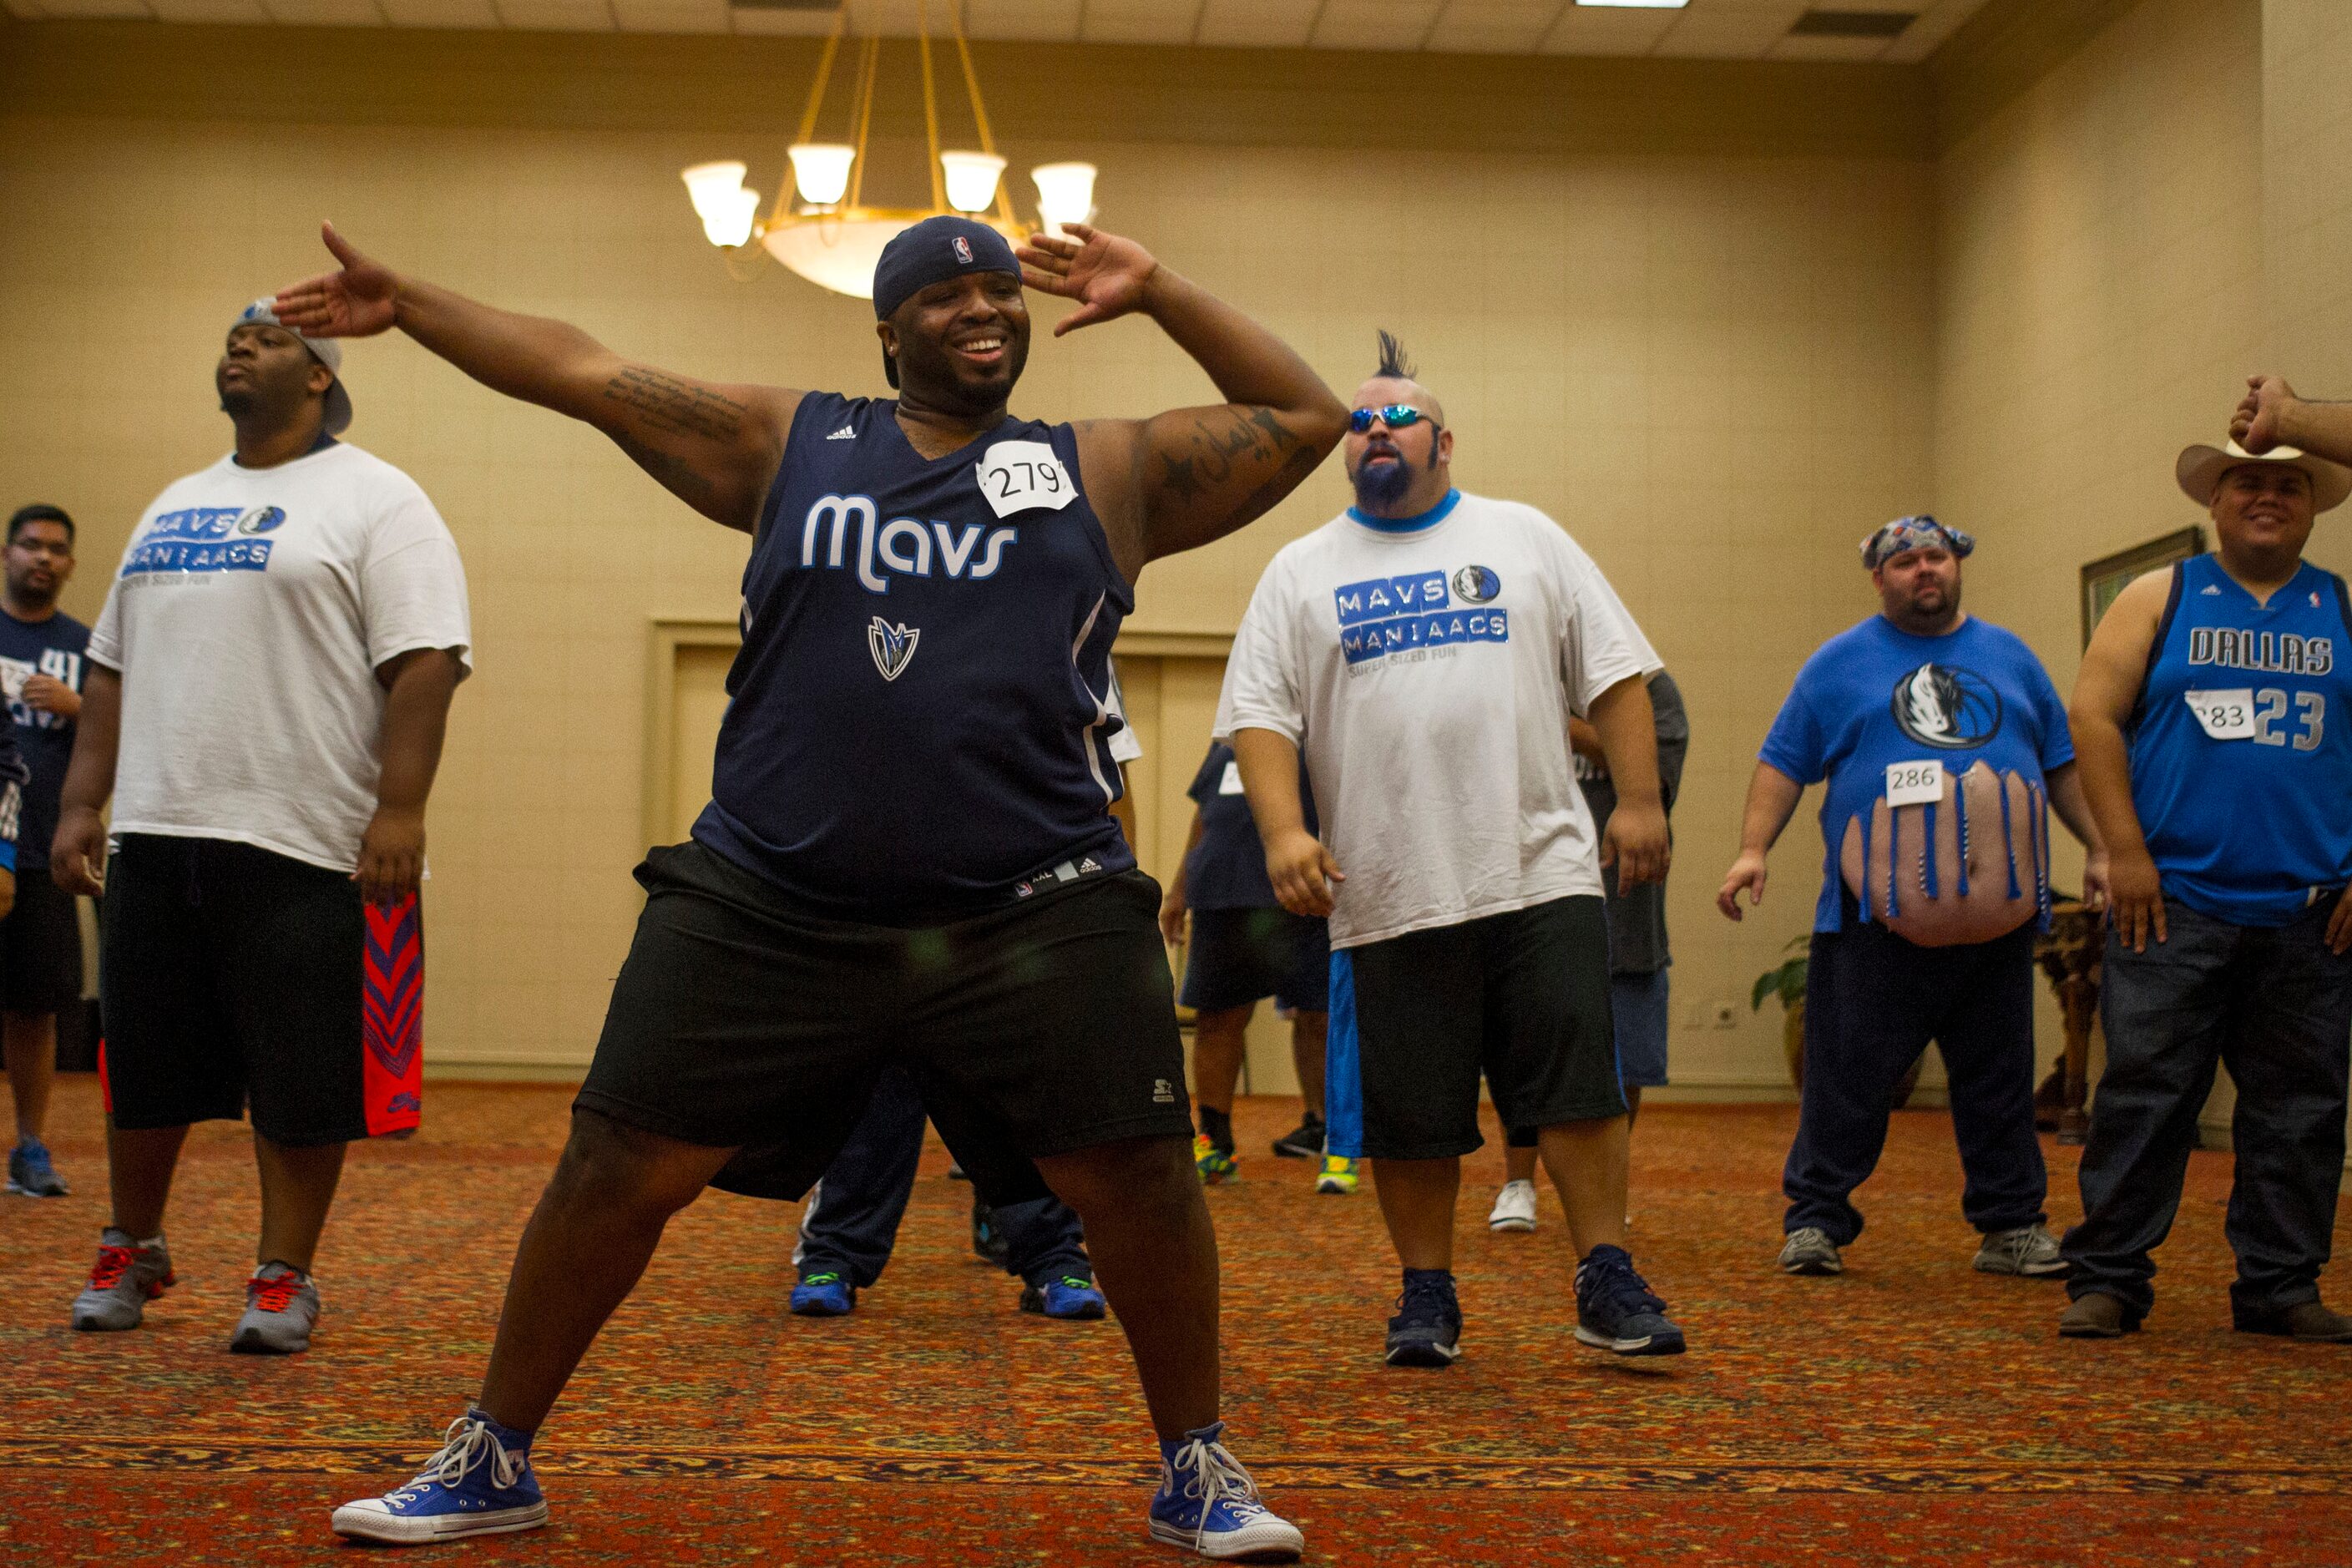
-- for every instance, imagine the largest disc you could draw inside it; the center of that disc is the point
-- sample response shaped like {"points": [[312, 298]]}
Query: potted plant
{"points": [[1786, 980]]}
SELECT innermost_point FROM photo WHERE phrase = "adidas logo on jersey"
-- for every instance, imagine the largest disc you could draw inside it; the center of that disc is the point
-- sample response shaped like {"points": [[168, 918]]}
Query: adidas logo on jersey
{"points": [[844, 434], [2213, 589]]}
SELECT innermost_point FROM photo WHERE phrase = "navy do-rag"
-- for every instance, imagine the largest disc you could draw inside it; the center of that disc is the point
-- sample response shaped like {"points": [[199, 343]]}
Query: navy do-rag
{"points": [[932, 251]]}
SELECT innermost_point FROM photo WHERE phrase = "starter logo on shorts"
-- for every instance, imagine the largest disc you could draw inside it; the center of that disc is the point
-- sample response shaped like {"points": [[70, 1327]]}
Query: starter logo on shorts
{"points": [[892, 646], [1396, 615], [1946, 708], [1162, 1092], [963, 250], [1479, 584]]}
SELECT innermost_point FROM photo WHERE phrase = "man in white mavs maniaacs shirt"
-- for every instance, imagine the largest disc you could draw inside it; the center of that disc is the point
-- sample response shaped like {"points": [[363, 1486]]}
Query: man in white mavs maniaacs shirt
{"points": [[1426, 648], [268, 688]]}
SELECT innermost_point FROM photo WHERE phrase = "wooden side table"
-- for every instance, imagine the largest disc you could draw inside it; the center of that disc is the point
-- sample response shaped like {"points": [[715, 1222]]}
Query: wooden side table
{"points": [[2069, 954]]}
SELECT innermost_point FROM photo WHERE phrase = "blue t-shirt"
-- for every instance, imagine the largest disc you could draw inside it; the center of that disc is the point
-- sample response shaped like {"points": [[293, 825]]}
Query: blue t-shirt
{"points": [[1874, 696], [52, 647], [1227, 870], [2252, 826]]}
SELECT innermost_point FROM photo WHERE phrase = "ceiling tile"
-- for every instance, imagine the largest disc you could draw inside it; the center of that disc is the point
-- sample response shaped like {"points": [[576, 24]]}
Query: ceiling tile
{"points": [[326, 12], [1793, 48], [1375, 23], [439, 12], [1256, 24], [1483, 40], [98, 8], [1141, 21], [798, 24], [556, 16], [896, 18], [671, 15], [231, 13], [1939, 22], [1596, 30], [1741, 35], [1055, 20]]}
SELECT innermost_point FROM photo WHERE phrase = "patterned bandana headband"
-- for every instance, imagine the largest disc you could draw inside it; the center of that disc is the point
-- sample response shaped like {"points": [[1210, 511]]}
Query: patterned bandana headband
{"points": [[1921, 532]]}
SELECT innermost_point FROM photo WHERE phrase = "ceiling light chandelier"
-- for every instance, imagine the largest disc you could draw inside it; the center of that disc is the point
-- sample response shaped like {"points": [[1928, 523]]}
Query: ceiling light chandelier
{"points": [[820, 226]]}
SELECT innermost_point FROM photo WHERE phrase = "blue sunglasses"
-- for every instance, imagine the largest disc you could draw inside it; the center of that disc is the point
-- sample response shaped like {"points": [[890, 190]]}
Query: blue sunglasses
{"points": [[1396, 416]]}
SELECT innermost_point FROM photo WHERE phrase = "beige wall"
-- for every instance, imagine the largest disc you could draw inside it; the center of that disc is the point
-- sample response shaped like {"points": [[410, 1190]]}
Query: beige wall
{"points": [[1712, 364]]}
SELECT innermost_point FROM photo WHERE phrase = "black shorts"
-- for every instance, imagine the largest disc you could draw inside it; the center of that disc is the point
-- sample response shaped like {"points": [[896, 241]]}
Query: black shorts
{"points": [[740, 1021], [40, 947], [1522, 998], [1237, 956], [229, 973]]}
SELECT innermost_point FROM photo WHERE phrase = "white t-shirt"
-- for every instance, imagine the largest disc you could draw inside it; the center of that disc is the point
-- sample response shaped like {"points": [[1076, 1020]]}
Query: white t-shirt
{"points": [[247, 620], [1427, 672]]}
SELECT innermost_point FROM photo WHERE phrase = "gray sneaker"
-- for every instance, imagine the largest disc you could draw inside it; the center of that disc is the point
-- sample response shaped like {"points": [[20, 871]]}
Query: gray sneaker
{"points": [[125, 1278], [2030, 1250], [1810, 1250], [281, 1308]]}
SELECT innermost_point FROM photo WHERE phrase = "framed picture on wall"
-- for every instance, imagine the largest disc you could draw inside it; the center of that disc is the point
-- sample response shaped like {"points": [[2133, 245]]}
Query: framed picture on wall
{"points": [[2104, 578]]}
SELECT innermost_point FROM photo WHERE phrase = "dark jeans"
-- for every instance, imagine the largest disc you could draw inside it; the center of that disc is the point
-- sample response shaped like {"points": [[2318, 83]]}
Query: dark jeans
{"points": [[1872, 1001], [851, 1223], [2276, 1005]]}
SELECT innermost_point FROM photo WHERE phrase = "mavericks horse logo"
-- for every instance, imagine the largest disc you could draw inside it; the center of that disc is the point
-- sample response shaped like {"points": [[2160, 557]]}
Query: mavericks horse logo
{"points": [[892, 646], [1946, 708]]}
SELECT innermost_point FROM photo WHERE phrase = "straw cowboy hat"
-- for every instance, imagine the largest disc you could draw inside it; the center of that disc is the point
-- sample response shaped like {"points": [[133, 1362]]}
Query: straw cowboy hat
{"points": [[2200, 468]]}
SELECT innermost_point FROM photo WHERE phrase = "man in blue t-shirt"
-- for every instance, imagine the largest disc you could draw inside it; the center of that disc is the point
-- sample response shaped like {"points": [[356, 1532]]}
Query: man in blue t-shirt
{"points": [[1944, 748], [2216, 750], [40, 940], [1245, 947]]}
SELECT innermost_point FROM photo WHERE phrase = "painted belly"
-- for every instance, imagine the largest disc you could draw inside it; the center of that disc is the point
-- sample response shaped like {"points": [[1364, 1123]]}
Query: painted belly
{"points": [[1961, 871]]}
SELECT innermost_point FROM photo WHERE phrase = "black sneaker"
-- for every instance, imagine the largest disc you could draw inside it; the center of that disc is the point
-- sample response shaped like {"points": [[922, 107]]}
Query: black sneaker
{"points": [[988, 1242], [1427, 1328], [1615, 1310], [1306, 1144]]}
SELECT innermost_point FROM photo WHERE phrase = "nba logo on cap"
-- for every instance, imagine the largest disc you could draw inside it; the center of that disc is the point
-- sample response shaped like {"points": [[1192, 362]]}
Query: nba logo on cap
{"points": [[963, 249]]}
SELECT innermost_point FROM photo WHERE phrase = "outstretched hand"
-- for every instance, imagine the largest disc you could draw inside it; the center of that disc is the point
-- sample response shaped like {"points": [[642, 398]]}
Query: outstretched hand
{"points": [[355, 301], [2255, 426], [1105, 272]]}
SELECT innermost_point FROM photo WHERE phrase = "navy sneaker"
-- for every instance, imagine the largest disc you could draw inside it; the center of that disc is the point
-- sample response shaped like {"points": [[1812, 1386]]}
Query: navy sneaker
{"points": [[1306, 1142], [479, 1483], [826, 1295], [1427, 1328], [1068, 1297], [988, 1243], [1208, 1504], [1615, 1310], [31, 1172]]}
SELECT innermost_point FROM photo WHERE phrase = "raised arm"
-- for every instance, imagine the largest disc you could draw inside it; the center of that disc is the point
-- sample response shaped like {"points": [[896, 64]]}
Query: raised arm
{"points": [[1180, 479], [2106, 690], [714, 447], [2273, 416], [1772, 797]]}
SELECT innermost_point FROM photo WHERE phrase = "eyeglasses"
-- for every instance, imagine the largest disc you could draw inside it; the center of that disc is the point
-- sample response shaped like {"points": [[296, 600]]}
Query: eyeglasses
{"points": [[1396, 416]]}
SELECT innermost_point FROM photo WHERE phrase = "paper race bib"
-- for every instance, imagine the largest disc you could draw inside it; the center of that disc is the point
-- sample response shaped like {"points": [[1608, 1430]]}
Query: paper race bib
{"points": [[1024, 476], [2225, 715], [1231, 783], [1915, 783]]}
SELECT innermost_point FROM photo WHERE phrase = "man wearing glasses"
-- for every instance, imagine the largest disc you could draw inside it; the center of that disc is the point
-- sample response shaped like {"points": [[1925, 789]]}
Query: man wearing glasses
{"points": [[1425, 650]]}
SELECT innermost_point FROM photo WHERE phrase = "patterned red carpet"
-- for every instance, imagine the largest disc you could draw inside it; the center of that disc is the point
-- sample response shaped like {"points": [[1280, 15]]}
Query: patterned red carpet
{"points": [[1910, 1412]]}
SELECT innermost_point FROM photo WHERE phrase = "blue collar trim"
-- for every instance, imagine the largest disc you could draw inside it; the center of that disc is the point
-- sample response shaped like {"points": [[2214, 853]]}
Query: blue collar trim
{"points": [[1429, 519]]}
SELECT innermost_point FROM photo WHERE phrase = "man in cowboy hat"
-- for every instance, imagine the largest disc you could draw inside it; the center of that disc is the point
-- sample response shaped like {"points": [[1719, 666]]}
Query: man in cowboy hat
{"points": [[2213, 716], [1944, 749]]}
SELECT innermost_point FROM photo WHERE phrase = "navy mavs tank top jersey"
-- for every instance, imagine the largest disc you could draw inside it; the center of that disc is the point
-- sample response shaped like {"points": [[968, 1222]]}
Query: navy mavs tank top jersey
{"points": [[918, 722], [2241, 746]]}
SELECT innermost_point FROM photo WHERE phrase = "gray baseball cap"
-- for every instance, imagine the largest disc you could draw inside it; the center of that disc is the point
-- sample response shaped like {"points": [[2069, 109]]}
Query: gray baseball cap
{"points": [[337, 416]]}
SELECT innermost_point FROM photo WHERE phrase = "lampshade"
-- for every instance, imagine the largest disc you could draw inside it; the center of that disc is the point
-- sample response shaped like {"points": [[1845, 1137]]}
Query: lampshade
{"points": [[820, 170], [971, 179], [834, 253], [725, 209], [1066, 192]]}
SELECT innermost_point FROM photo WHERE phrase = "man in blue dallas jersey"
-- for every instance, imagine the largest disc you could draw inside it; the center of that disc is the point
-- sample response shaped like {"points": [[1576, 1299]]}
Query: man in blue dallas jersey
{"points": [[2213, 717], [909, 854]]}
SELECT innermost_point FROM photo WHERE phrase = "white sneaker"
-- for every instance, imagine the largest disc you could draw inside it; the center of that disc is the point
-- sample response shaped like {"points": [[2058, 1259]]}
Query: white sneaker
{"points": [[2030, 1250], [1515, 1207]]}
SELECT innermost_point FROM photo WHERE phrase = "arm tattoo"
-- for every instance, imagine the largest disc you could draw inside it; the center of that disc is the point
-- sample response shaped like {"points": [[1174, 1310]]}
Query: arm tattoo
{"points": [[1178, 481], [674, 406], [677, 475]]}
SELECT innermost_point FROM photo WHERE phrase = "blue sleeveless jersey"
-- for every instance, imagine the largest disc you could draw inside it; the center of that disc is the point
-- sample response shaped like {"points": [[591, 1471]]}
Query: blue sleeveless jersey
{"points": [[2251, 830], [917, 726]]}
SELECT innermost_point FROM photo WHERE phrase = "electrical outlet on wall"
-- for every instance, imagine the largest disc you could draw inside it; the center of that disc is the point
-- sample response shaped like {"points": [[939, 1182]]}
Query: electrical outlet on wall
{"points": [[1721, 1014]]}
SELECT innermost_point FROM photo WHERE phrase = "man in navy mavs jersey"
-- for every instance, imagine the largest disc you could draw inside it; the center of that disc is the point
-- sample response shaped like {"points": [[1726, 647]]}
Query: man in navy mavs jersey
{"points": [[2213, 717], [908, 856]]}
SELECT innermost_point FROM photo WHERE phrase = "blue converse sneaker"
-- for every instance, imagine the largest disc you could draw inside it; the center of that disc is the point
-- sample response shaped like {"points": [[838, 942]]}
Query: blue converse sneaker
{"points": [[1068, 1297], [480, 1483], [826, 1295], [31, 1172], [1208, 1504], [1427, 1328], [1615, 1310]]}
